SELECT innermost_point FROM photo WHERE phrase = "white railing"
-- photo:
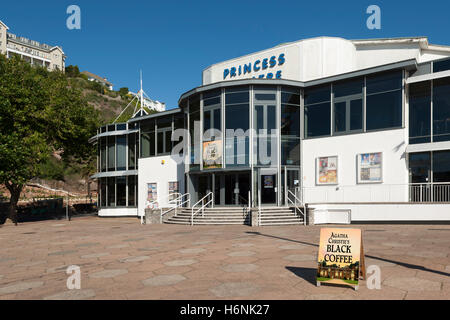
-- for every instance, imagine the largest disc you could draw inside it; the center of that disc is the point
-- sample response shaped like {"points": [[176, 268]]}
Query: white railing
{"points": [[209, 198], [429, 192], [179, 202], [297, 203]]}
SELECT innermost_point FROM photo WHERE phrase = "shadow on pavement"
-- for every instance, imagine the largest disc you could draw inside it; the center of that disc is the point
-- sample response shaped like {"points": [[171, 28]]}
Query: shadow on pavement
{"points": [[307, 274], [403, 264]]}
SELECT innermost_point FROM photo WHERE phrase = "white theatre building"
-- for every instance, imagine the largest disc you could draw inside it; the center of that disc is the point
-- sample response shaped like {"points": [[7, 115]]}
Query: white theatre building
{"points": [[357, 131]]}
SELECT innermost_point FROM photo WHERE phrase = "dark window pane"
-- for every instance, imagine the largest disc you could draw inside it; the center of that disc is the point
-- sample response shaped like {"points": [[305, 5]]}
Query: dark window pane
{"points": [[131, 151], [111, 153], [348, 87], [441, 166], [290, 120], [121, 126], [384, 82], [121, 152], [237, 151], [212, 101], [160, 143], [420, 167], [168, 138], [207, 120], [237, 117], [217, 119], [112, 127], [384, 110], [103, 195], [212, 94], [356, 115], [290, 151], [265, 96], [147, 144], [271, 118], [236, 89], [290, 98], [121, 191], [340, 116], [420, 112], [318, 94], [103, 129], [441, 110], [111, 192], [131, 191], [259, 114], [194, 104], [239, 97], [165, 122], [317, 120], [103, 151], [443, 65]]}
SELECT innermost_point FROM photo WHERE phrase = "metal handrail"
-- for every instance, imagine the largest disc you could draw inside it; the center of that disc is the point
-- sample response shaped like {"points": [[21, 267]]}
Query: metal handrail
{"points": [[179, 203], [202, 208], [297, 208], [259, 208]]}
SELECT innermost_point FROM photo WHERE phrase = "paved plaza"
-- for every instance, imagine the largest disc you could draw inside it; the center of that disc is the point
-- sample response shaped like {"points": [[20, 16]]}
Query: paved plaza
{"points": [[121, 259]]}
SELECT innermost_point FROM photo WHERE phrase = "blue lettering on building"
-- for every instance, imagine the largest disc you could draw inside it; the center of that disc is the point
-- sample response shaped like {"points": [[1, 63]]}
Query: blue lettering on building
{"points": [[258, 65]]}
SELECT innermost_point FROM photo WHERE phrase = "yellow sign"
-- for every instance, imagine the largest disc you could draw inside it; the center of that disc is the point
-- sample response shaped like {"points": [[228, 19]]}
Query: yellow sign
{"points": [[341, 256]]}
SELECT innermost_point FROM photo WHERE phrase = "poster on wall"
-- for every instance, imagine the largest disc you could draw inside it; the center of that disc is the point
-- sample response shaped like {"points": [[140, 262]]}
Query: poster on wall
{"points": [[173, 190], [370, 168], [268, 182], [326, 170], [341, 257], [212, 154], [152, 196]]}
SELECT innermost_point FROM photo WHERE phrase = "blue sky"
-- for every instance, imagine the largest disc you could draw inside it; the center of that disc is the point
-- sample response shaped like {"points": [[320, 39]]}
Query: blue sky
{"points": [[173, 41]]}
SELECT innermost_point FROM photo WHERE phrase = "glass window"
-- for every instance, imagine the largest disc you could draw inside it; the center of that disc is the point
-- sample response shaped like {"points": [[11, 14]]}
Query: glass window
{"points": [[384, 110], [348, 87], [147, 144], [103, 151], [420, 112], [441, 166], [265, 96], [168, 142], [318, 94], [441, 110], [160, 143], [236, 147], [111, 153], [102, 188], [132, 151], [111, 192], [290, 151], [194, 120], [356, 115], [121, 126], [384, 82], [290, 120], [340, 116], [131, 191], [420, 167], [121, 191], [442, 65], [236, 95], [121, 152], [317, 120]]}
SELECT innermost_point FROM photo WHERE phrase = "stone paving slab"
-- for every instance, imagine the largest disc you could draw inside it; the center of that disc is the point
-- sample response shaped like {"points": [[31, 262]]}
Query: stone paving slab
{"points": [[121, 259]]}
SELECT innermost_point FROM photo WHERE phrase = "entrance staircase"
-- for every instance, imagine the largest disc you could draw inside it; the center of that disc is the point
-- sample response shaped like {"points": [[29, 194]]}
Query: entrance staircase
{"points": [[212, 216], [279, 216], [275, 216]]}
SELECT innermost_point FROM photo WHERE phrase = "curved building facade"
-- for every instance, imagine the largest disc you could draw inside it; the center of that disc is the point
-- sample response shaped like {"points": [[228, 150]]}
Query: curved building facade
{"points": [[354, 127]]}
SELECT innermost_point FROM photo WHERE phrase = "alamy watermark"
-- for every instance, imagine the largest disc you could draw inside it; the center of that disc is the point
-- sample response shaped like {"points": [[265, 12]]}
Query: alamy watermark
{"points": [[74, 20], [74, 279], [374, 20]]}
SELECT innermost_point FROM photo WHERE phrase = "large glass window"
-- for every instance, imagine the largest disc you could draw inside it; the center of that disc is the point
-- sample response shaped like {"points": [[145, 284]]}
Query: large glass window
{"points": [[121, 152], [121, 191], [103, 152], [420, 167], [237, 123], [111, 197], [290, 126], [265, 121], [132, 190], [441, 166], [318, 111], [348, 106], [111, 153], [148, 139], [384, 100], [441, 110], [420, 112], [442, 65], [194, 131], [132, 151], [102, 189]]}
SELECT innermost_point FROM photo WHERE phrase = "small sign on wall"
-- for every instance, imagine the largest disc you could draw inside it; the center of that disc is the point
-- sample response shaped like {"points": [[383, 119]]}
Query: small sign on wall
{"points": [[370, 167], [341, 257]]}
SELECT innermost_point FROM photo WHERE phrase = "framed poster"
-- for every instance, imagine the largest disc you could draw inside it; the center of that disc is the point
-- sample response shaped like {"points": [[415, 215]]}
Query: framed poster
{"points": [[212, 154], [326, 171], [370, 167], [268, 182], [152, 195], [173, 190]]}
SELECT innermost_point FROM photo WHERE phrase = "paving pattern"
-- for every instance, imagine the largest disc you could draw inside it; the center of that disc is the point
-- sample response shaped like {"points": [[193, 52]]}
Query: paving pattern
{"points": [[121, 259]]}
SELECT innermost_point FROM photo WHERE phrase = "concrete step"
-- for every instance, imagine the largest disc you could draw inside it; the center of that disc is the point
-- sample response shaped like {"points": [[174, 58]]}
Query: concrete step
{"points": [[281, 223]]}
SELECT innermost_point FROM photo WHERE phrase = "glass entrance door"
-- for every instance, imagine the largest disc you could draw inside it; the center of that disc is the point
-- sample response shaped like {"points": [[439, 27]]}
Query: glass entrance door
{"points": [[268, 186], [291, 182]]}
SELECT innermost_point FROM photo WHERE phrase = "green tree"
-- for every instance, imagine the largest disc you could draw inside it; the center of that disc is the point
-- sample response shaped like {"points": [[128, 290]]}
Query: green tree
{"points": [[123, 91], [39, 114], [72, 71]]}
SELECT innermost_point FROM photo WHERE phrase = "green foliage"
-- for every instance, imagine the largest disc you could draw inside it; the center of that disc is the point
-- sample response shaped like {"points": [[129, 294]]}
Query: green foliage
{"points": [[52, 169], [123, 91], [72, 71], [39, 114]]}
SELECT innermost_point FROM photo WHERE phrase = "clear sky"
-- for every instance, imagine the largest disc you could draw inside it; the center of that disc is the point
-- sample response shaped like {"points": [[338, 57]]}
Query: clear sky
{"points": [[173, 41]]}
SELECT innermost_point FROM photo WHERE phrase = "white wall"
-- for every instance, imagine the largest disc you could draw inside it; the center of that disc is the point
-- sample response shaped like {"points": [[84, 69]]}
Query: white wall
{"points": [[388, 212], [391, 143], [152, 170], [117, 212]]}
